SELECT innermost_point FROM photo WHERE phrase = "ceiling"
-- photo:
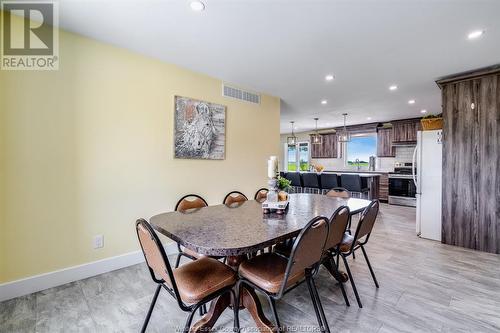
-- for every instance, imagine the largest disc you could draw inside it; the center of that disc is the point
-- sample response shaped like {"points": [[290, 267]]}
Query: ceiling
{"points": [[286, 47]]}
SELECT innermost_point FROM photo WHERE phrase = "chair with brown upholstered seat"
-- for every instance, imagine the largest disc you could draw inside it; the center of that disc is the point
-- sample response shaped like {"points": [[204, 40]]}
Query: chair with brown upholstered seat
{"points": [[261, 195], [338, 192], [192, 285], [275, 275], [234, 197], [337, 230], [351, 243], [185, 204]]}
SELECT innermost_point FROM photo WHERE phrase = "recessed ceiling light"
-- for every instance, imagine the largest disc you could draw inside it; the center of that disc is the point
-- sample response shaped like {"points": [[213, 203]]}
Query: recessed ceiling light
{"points": [[329, 77], [369, 118], [393, 87], [423, 111], [411, 101], [324, 101], [197, 5], [475, 34]]}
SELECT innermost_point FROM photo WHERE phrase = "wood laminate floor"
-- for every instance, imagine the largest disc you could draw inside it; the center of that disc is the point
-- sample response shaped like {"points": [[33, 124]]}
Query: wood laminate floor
{"points": [[425, 286]]}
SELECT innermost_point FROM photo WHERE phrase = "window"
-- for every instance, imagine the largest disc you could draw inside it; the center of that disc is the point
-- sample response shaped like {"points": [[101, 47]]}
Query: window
{"points": [[360, 148], [297, 157]]}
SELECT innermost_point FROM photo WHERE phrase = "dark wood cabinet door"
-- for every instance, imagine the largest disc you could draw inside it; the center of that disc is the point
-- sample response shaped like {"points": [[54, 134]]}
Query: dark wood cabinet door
{"points": [[460, 164], [487, 168], [315, 150], [330, 145], [384, 142], [327, 148], [405, 130]]}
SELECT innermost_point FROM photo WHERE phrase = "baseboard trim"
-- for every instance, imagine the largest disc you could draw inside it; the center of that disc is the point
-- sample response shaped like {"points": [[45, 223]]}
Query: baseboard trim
{"points": [[44, 281]]}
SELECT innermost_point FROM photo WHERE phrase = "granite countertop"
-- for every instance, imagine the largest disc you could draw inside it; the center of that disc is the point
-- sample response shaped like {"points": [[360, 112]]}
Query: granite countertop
{"points": [[222, 230]]}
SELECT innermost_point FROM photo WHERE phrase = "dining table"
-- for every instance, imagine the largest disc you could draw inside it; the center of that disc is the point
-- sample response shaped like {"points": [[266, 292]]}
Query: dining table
{"points": [[240, 230]]}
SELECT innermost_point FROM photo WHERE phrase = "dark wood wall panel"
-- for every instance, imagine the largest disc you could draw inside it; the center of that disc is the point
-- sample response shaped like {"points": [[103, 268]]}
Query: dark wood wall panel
{"points": [[471, 160]]}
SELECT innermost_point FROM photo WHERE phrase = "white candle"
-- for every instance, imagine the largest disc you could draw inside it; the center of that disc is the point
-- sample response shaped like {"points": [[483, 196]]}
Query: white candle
{"points": [[270, 169]]}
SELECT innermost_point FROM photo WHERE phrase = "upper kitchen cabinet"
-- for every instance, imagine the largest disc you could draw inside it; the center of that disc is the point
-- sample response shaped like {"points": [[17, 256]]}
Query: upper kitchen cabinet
{"points": [[471, 155], [385, 137], [328, 147], [405, 131]]}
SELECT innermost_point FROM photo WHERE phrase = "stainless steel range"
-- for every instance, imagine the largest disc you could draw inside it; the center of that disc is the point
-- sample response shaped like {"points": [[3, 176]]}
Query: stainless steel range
{"points": [[402, 189]]}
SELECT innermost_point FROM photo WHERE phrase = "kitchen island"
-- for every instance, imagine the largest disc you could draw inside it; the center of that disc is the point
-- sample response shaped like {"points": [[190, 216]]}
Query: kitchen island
{"points": [[370, 178]]}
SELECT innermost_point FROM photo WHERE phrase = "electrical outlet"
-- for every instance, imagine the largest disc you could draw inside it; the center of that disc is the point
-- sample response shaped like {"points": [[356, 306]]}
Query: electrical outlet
{"points": [[98, 241]]}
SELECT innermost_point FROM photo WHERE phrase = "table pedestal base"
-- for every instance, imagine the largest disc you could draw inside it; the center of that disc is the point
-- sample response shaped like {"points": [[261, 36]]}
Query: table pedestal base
{"points": [[248, 300]]}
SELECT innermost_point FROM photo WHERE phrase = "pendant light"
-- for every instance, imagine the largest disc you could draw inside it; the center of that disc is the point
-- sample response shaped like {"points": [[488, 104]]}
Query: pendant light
{"points": [[291, 140], [316, 138], [343, 135]]}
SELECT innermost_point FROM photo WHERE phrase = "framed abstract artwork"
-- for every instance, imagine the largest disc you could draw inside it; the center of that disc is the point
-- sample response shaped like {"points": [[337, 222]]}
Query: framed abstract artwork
{"points": [[199, 129]]}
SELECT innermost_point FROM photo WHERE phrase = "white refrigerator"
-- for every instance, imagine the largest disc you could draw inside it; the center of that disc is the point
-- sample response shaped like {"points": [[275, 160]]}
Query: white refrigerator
{"points": [[428, 160]]}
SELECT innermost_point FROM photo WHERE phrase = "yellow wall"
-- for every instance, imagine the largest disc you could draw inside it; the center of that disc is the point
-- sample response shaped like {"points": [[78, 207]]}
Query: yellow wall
{"points": [[89, 149]]}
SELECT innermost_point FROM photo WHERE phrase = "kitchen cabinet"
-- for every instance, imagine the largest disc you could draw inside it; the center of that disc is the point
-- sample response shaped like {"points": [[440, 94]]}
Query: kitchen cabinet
{"points": [[385, 138], [405, 130], [471, 155], [328, 147], [383, 192]]}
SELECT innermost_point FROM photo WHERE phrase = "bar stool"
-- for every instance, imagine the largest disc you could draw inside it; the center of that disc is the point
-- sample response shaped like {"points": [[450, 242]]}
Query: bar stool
{"points": [[354, 184], [310, 182], [328, 181], [296, 181]]}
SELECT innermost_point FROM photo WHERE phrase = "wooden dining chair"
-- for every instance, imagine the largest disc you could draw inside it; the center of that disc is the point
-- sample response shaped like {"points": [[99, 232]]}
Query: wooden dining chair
{"points": [[191, 285], [234, 197], [185, 204], [261, 195], [275, 275], [351, 243], [338, 192]]}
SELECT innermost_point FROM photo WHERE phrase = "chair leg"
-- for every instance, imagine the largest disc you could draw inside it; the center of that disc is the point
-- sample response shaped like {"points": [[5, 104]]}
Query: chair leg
{"points": [[178, 261], [325, 326], [352, 281], [369, 266], [335, 265], [315, 305], [272, 303], [189, 320], [151, 307], [236, 308]]}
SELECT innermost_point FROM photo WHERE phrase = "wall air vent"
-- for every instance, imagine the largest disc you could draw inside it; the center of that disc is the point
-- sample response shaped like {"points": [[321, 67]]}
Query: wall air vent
{"points": [[242, 95]]}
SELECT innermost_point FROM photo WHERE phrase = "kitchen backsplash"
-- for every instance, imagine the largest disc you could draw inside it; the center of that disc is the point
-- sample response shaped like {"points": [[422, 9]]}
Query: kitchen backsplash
{"points": [[404, 154]]}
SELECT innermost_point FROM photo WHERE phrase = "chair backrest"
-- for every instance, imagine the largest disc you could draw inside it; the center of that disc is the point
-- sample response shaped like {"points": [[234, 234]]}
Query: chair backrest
{"points": [[338, 192], [338, 226], [351, 182], [295, 178], [233, 197], [328, 181], [261, 195], [190, 201], [307, 249], [310, 179], [367, 221], [155, 256]]}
